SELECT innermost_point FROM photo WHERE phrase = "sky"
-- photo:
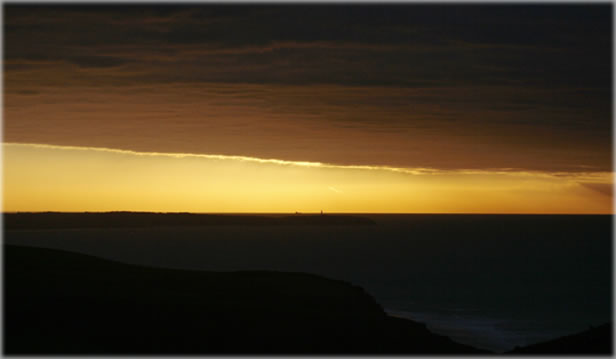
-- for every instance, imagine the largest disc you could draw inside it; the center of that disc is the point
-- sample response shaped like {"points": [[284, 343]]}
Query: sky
{"points": [[405, 108]]}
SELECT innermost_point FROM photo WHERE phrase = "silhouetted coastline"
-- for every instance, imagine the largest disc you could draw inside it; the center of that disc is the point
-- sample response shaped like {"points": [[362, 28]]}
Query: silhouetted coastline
{"points": [[596, 341], [58, 302], [441, 238], [56, 220]]}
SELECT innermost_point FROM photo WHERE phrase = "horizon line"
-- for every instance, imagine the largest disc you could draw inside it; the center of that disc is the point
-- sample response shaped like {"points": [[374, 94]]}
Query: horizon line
{"points": [[317, 213]]}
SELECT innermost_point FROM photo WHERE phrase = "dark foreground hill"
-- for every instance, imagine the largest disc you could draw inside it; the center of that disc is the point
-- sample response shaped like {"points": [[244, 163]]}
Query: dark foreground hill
{"points": [[55, 220], [57, 302], [593, 341]]}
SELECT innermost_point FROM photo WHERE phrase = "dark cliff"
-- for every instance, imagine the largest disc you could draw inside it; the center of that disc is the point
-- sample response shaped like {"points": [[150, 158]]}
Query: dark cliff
{"points": [[58, 302], [596, 341]]}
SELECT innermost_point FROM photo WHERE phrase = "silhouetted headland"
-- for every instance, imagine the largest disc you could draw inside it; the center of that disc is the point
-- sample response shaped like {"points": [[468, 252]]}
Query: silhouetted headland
{"points": [[56, 220], [58, 302], [596, 340]]}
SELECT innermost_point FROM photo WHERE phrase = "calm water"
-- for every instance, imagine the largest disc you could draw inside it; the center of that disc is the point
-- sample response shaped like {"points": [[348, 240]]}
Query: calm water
{"points": [[489, 281]]}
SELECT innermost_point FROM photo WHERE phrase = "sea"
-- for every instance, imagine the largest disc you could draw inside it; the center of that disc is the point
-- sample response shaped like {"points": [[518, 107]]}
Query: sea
{"points": [[491, 281]]}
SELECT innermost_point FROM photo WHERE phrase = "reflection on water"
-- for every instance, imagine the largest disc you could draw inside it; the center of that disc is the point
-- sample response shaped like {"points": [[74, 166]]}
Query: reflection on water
{"points": [[494, 334]]}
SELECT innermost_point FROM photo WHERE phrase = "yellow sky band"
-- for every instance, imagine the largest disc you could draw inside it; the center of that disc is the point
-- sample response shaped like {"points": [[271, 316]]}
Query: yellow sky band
{"points": [[39, 177]]}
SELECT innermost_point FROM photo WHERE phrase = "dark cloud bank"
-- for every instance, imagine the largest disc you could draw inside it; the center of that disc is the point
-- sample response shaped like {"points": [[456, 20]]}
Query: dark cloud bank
{"points": [[446, 86]]}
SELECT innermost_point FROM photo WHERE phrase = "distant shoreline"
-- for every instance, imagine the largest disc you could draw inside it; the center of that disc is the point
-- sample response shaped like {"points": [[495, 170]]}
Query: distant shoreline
{"points": [[128, 219], [282, 214], [64, 220]]}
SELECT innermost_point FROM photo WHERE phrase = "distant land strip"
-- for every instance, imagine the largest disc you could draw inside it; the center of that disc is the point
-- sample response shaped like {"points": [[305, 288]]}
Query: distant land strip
{"points": [[58, 220]]}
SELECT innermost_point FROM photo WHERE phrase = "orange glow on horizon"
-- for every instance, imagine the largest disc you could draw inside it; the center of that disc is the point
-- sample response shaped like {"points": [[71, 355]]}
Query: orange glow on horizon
{"points": [[61, 178]]}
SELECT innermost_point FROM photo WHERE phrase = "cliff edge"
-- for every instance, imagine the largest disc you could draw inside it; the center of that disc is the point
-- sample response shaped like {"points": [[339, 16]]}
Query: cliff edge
{"points": [[58, 302]]}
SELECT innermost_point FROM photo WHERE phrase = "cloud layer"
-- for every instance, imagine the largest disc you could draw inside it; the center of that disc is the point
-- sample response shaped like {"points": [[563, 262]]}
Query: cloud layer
{"points": [[444, 86]]}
